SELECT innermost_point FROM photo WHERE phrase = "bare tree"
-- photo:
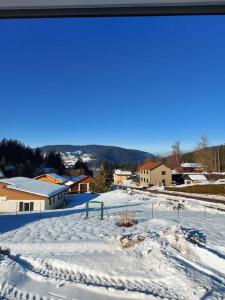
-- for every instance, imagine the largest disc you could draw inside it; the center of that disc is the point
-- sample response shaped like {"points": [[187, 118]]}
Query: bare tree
{"points": [[203, 154], [174, 160], [177, 152], [204, 141]]}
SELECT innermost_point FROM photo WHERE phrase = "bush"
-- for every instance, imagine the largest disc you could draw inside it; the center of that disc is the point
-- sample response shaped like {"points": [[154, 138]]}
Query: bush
{"points": [[127, 219]]}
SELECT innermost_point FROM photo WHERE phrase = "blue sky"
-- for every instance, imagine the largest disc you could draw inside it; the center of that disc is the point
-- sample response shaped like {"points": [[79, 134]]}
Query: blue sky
{"points": [[133, 82]]}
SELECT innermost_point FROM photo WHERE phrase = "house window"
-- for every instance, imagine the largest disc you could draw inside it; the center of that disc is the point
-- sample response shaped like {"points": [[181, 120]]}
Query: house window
{"points": [[31, 206], [163, 172], [26, 206], [21, 206], [50, 201]]}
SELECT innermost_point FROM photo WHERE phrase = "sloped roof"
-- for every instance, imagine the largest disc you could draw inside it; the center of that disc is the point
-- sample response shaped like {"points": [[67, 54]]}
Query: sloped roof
{"points": [[33, 186], [191, 165], [78, 178], [123, 173], [69, 183], [198, 177], [58, 177], [55, 176], [150, 165], [72, 180]]}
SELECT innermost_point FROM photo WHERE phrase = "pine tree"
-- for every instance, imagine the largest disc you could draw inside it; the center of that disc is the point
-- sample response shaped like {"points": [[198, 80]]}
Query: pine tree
{"points": [[28, 169], [102, 181]]}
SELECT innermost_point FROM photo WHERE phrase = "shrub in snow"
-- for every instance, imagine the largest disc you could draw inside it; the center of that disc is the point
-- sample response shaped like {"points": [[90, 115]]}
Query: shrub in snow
{"points": [[127, 219]]}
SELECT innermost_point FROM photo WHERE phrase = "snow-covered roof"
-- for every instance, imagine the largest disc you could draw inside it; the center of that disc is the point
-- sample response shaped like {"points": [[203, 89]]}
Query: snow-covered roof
{"points": [[69, 183], [122, 173], [58, 177], [174, 172], [191, 165], [76, 179], [33, 186], [197, 177]]}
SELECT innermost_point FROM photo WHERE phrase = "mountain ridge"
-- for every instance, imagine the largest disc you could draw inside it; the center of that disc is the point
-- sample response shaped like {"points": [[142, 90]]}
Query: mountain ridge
{"points": [[114, 154]]}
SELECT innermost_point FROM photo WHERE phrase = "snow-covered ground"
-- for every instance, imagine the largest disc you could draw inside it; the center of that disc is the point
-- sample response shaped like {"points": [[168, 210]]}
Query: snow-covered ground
{"points": [[61, 255]]}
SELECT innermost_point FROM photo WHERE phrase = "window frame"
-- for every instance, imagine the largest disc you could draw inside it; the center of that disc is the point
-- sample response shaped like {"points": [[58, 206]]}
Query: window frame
{"points": [[110, 10]]}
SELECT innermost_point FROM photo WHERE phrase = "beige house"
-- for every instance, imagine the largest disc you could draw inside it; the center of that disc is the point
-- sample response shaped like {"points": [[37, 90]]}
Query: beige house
{"points": [[26, 194], [120, 176], [154, 173]]}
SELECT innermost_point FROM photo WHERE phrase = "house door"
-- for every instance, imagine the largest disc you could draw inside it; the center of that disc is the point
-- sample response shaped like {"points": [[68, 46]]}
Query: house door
{"points": [[83, 187], [163, 182]]}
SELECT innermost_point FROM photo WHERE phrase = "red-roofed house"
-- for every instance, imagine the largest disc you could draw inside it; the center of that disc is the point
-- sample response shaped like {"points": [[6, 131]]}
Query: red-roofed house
{"points": [[155, 173]]}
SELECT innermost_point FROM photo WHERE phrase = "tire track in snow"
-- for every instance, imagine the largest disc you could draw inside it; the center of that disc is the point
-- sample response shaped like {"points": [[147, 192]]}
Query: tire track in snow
{"points": [[207, 278], [8, 292], [75, 276]]}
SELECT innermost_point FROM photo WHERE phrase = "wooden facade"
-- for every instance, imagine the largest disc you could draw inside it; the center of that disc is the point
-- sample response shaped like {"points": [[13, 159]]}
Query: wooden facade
{"points": [[49, 178], [81, 186]]}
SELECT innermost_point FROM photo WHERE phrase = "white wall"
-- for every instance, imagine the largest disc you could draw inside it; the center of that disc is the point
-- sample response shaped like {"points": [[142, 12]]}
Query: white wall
{"points": [[7, 205], [55, 201], [13, 205]]}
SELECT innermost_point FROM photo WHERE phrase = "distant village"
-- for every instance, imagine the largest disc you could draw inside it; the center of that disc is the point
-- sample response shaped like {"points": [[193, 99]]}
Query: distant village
{"points": [[48, 189]]}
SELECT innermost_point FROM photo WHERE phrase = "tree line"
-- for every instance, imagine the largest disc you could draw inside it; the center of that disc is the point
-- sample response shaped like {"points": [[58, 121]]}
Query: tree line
{"points": [[212, 159], [16, 159]]}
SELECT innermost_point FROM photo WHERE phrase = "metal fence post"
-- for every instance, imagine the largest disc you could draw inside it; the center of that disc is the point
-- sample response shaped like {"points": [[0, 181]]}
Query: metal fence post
{"points": [[40, 209], [87, 210], [102, 208]]}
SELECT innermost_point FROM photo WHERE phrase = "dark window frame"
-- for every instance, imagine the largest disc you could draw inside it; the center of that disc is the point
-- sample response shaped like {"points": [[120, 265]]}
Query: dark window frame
{"points": [[113, 10]]}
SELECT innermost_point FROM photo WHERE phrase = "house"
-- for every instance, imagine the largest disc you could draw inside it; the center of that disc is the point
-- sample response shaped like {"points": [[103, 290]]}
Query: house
{"points": [[52, 178], [120, 176], [191, 167], [26, 194], [1, 174], [194, 178], [154, 173], [79, 184]]}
